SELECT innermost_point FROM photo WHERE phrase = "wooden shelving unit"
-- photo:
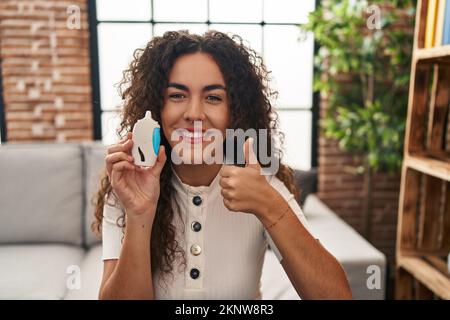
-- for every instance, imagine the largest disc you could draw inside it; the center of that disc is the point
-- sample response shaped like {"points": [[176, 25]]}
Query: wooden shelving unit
{"points": [[435, 53], [423, 233], [428, 274]]}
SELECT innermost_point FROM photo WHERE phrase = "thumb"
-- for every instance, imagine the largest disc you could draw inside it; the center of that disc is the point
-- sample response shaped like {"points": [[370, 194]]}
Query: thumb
{"points": [[250, 157], [160, 160]]}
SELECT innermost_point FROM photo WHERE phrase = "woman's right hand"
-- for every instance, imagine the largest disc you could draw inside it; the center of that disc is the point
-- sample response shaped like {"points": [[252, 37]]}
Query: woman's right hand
{"points": [[136, 187]]}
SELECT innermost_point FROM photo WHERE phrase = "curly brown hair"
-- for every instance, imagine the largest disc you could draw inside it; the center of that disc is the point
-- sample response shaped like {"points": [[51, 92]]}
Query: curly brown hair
{"points": [[142, 88]]}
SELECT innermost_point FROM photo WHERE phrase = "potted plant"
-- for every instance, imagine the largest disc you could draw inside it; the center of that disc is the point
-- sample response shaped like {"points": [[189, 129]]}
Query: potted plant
{"points": [[369, 44]]}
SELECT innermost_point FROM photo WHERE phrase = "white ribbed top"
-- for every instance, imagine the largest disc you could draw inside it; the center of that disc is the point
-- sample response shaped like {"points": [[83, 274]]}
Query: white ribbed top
{"points": [[232, 244]]}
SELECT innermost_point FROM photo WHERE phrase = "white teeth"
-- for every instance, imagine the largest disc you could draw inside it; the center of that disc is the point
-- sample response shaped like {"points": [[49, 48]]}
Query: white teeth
{"points": [[193, 135]]}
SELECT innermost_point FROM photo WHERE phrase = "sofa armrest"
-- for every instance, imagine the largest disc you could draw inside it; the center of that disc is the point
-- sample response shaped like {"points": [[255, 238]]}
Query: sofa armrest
{"points": [[360, 259]]}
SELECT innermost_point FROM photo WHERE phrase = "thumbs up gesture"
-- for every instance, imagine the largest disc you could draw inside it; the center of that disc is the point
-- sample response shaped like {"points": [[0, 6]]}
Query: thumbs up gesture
{"points": [[245, 189]]}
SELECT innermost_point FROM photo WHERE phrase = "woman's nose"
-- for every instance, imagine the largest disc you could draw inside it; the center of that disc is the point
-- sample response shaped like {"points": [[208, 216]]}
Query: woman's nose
{"points": [[194, 111]]}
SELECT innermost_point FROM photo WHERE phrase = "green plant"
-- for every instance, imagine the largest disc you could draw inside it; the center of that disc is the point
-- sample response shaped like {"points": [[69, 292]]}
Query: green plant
{"points": [[364, 74]]}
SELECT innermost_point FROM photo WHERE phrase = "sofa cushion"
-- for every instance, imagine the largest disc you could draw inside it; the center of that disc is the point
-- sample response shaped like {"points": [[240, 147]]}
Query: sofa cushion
{"points": [[275, 284], [41, 193], [37, 271], [92, 271], [354, 252], [94, 163]]}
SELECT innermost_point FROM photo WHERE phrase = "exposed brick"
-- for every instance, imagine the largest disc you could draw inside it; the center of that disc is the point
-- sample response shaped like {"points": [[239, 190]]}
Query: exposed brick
{"points": [[45, 71]]}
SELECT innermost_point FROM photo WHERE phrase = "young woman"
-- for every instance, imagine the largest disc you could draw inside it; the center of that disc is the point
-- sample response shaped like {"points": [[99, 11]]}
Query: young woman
{"points": [[200, 231]]}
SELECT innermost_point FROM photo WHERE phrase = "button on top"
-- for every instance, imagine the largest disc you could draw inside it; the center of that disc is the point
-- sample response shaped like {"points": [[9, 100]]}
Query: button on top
{"points": [[197, 200], [196, 249], [196, 226], [195, 273]]}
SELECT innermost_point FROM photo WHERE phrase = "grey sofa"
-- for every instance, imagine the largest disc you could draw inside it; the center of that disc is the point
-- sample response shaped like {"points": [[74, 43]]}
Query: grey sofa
{"points": [[47, 250]]}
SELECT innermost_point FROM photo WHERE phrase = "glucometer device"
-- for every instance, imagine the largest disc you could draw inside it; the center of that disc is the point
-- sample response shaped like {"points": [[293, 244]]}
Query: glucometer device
{"points": [[146, 140]]}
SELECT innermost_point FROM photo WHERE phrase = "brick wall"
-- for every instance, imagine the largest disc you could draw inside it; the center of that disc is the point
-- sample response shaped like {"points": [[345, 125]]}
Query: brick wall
{"points": [[45, 65]]}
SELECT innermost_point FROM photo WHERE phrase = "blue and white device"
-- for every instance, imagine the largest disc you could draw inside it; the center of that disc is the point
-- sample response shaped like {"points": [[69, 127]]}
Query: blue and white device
{"points": [[146, 141]]}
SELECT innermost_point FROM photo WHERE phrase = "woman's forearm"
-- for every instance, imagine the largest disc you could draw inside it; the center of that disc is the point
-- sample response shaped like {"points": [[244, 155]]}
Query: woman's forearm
{"points": [[313, 271], [132, 278]]}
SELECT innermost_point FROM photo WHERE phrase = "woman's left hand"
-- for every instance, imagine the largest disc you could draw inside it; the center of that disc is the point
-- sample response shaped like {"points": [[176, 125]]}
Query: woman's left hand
{"points": [[245, 189]]}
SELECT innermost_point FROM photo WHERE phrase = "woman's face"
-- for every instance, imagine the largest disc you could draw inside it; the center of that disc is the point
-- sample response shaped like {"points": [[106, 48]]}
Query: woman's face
{"points": [[196, 93]]}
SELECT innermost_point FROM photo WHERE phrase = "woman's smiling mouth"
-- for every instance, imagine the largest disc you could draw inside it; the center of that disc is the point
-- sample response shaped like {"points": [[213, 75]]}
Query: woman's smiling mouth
{"points": [[192, 136]]}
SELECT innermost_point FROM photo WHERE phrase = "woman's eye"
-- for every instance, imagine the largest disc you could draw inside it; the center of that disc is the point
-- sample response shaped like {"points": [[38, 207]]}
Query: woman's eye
{"points": [[176, 96], [214, 98]]}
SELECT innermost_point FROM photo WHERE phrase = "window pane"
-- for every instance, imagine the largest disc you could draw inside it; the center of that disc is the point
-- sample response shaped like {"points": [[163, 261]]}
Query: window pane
{"points": [[251, 34], [225, 11], [135, 10], [296, 126], [291, 62], [287, 11], [110, 124], [180, 10], [117, 42], [160, 28]]}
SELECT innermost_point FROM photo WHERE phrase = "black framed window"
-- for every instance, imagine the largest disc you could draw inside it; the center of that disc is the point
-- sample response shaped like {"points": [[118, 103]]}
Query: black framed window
{"points": [[2, 112], [269, 26]]}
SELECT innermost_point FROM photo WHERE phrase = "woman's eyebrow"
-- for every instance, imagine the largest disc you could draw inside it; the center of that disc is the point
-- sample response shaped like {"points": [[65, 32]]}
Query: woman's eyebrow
{"points": [[213, 87], [185, 88], [178, 86]]}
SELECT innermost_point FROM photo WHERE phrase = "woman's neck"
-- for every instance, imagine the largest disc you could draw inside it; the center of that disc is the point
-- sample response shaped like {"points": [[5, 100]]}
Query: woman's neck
{"points": [[196, 175]]}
